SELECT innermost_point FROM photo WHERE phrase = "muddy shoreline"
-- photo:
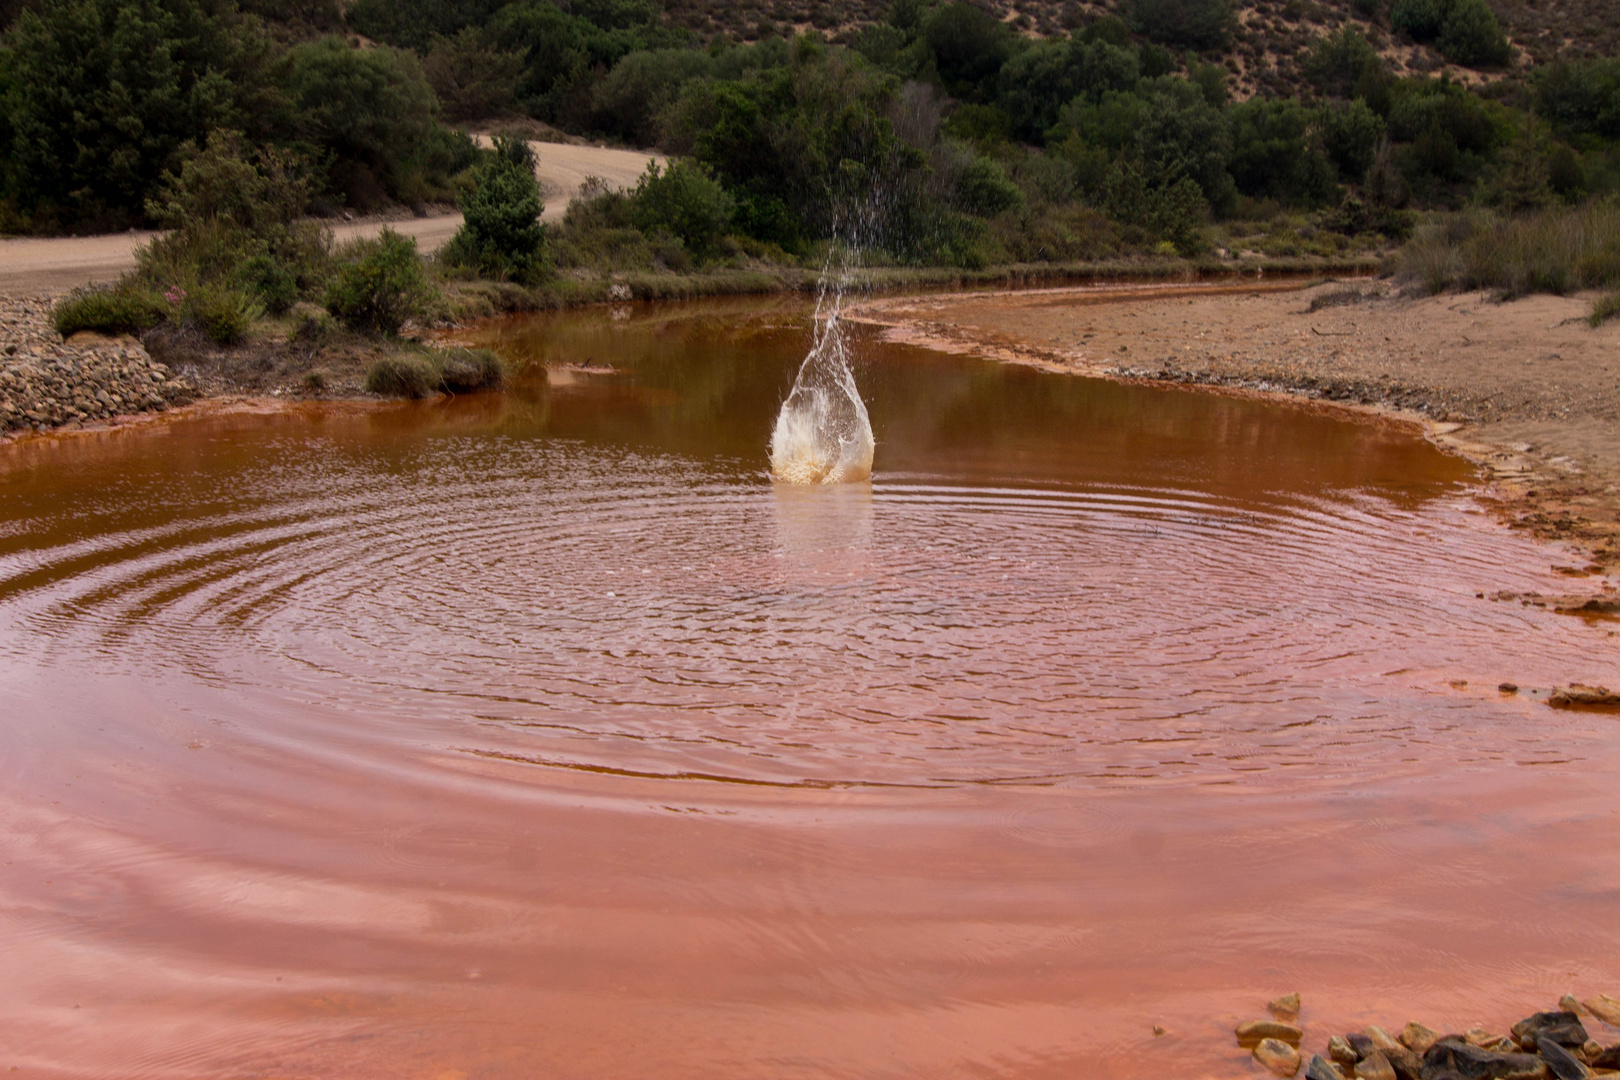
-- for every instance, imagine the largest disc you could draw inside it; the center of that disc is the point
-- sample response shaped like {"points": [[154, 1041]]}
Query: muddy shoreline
{"points": [[1521, 389], [1532, 404]]}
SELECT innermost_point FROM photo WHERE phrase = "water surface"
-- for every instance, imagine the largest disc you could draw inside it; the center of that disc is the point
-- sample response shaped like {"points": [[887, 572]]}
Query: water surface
{"points": [[540, 734]]}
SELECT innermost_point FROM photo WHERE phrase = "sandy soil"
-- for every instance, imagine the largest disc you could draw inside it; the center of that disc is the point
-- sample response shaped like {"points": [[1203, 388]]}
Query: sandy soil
{"points": [[32, 264], [1526, 388]]}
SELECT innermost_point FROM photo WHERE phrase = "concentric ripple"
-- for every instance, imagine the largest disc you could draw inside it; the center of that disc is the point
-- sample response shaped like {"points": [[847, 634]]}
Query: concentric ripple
{"points": [[542, 734]]}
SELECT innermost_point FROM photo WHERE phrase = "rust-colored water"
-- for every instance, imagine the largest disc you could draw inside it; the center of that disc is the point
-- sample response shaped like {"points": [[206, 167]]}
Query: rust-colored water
{"points": [[539, 735]]}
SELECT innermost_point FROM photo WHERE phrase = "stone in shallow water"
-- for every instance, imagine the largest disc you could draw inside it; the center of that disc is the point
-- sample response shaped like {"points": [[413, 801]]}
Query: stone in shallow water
{"points": [[1278, 1056], [1340, 1050], [1605, 1008], [1285, 1007], [1378, 1037], [1375, 1066], [1563, 1028], [1252, 1032], [1564, 1065], [1321, 1068], [1481, 1037], [1607, 1058]]}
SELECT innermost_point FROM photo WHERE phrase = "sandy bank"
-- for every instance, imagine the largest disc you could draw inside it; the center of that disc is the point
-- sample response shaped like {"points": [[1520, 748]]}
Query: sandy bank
{"points": [[1527, 389]]}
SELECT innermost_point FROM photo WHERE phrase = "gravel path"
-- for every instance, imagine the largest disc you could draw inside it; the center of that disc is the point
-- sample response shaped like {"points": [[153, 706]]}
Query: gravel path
{"points": [[32, 264]]}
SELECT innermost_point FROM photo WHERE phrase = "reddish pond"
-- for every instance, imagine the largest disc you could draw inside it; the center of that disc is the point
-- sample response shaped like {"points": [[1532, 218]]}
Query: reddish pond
{"points": [[538, 735]]}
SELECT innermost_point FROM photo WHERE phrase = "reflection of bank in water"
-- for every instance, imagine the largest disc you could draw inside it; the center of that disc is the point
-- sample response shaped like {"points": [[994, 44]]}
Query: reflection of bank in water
{"points": [[822, 433]]}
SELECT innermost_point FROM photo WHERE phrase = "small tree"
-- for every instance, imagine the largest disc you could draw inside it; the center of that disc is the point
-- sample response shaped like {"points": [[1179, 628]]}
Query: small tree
{"points": [[378, 284], [501, 235], [1472, 37], [684, 200], [1193, 24]]}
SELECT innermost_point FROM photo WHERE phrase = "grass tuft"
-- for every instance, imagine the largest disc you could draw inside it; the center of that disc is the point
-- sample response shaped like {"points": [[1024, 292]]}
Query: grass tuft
{"points": [[1559, 251], [122, 310], [420, 373], [1604, 308]]}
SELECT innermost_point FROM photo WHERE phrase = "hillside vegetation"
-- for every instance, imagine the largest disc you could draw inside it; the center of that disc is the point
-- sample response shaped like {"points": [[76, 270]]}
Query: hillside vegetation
{"points": [[932, 133]]}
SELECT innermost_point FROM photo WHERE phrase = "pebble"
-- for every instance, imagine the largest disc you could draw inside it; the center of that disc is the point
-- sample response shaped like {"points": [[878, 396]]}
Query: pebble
{"points": [[1278, 1056], [46, 382]]}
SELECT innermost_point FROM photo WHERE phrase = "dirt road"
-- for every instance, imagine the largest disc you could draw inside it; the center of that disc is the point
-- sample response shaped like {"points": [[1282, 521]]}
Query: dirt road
{"points": [[30, 265]]}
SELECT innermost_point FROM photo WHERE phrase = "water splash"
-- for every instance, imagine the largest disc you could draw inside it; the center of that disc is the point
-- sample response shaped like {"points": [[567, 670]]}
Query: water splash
{"points": [[822, 433]]}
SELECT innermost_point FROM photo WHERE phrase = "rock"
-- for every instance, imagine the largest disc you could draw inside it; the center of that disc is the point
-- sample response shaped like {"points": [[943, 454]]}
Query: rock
{"points": [[1577, 694], [1375, 1066], [1254, 1031], [1285, 1008], [1321, 1068], [1380, 1039], [1407, 1065], [1418, 1038], [1607, 1058], [1605, 1008], [1569, 1004], [1482, 1038], [1564, 1065], [1340, 1050], [1278, 1056], [1563, 1028], [1590, 1049], [1454, 1055]]}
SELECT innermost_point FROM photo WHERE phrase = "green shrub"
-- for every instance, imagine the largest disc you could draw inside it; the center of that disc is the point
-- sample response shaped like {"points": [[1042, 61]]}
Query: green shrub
{"points": [[501, 236], [1193, 24], [473, 79], [982, 189], [120, 310], [378, 284], [1420, 20], [1472, 37], [685, 201], [273, 283], [419, 373], [223, 313]]}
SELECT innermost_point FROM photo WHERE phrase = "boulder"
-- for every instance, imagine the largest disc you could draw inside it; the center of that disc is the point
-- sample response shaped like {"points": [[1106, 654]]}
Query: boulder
{"points": [[1342, 1052], [1455, 1055], [1564, 1065], [1321, 1068], [1251, 1033], [1379, 1038], [1563, 1028], [1417, 1038], [1278, 1056], [1607, 1058], [1375, 1066], [1605, 1008]]}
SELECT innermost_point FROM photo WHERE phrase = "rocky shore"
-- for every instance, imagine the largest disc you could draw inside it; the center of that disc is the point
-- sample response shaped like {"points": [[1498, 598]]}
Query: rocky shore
{"points": [[1552, 1045], [46, 382]]}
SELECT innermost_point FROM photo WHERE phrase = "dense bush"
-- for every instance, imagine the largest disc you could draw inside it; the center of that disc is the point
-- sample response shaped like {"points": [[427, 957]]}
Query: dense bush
{"points": [[100, 94], [684, 201], [472, 79], [378, 284], [237, 227], [1196, 24], [1276, 154], [501, 236], [368, 109], [1581, 98], [121, 310], [1466, 31]]}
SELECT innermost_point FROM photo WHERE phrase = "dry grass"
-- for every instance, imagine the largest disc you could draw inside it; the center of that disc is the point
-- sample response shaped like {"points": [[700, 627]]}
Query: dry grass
{"points": [[1557, 251]]}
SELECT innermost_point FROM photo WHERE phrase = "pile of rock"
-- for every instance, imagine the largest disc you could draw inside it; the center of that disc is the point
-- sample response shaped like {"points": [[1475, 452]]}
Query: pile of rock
{"points": [[1551, 1045], [45, 382]]}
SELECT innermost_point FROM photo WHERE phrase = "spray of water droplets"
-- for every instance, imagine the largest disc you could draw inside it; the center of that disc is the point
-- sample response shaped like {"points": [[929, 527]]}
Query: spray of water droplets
{"points": [[822, 433]]}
